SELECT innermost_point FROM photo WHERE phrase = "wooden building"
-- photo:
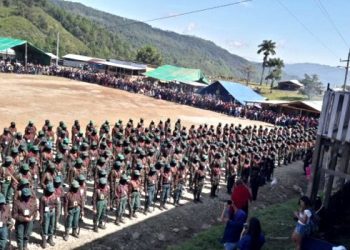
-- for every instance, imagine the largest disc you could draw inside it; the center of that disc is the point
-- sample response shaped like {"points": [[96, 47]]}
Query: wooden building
{"points": [[331, 156], [291, 85]]}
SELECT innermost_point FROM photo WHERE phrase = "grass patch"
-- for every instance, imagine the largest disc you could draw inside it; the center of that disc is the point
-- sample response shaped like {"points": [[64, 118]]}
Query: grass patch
{"points": [[276, 221]]}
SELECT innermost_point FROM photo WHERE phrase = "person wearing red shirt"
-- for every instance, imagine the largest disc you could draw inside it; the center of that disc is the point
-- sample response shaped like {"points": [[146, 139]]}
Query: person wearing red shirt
{"points": [[241, 196]]}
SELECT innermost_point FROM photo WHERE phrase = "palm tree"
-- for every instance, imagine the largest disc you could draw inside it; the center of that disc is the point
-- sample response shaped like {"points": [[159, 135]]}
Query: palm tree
{"points": [[276, 73], [267, 47]]}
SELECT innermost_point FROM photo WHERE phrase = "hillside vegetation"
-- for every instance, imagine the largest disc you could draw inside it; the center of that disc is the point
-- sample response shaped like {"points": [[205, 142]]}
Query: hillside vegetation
{"points": [[87, 31]]}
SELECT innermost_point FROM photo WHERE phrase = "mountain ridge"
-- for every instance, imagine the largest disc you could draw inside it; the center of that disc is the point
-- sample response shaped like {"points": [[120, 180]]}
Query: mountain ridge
{"points": [[87, 31]]}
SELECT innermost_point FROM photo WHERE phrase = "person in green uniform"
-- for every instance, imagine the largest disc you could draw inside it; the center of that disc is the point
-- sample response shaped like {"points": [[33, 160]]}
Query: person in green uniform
{"points": [[134, 194], [121, 198], [7, 172], [24, 212], [72, 210], [100, 204], [48, 208], [5, 222]]}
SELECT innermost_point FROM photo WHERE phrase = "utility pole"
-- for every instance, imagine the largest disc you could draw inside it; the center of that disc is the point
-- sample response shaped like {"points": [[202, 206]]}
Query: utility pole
{"points": [[346, 70], [26, 54], [58, 47]]}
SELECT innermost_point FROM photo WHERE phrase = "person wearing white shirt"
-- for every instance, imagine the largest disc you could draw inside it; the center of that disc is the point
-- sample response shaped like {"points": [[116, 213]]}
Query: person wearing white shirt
{"points": [[303, 216]]}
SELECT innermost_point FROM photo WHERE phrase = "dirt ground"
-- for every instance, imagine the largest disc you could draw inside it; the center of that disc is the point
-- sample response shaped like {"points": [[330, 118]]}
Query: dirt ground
{"points": [[161, 229], [36, 98]]}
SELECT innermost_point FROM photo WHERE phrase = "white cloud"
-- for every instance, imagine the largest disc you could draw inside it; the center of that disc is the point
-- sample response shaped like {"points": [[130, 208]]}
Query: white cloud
{"points": [[236, 44], [247, 4], [281, 44], [191, 26]]}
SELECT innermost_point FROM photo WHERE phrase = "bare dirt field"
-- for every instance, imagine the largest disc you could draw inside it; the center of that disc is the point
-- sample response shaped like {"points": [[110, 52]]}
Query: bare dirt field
{"points": [[36, 98]]}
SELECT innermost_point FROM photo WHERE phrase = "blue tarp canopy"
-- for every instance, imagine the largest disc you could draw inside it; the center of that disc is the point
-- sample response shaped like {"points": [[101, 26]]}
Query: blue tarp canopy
{"points": [[229, 91]]}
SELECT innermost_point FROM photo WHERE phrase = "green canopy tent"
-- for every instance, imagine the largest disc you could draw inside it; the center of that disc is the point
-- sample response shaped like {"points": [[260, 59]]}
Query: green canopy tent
{"points": [[172, 73], [25, 51]]}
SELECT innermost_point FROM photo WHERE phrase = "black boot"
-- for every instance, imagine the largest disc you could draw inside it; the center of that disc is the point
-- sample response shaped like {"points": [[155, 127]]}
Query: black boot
{"points": [[66, 235], [75, 233], [43, 242], [121, 219], [102, 225], [95, 228], [50, 241], [116, 221], [25, 245]]}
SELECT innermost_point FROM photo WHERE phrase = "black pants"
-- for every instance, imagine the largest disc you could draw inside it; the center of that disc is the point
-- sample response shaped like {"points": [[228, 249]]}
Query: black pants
{"points": [[214, 187], [197, 191], [230, 183], [254, 184]]}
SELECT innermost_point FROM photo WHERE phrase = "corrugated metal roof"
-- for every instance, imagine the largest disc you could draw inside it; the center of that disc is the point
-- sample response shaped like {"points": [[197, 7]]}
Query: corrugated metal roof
{"points": [[173, 73], [130, 65], [272, 102], [79, 58], [51, 55], [296, 82], [241, 93], [317, 105], [8, 52], [9, 43]]}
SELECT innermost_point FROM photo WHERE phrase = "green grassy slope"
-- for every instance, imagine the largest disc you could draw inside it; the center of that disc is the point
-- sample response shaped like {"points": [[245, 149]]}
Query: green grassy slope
{"points": [[40, 29], [276, 221]]}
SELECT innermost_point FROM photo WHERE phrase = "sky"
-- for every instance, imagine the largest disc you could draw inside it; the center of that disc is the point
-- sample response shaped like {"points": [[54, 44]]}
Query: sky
{"points": [[302, 29]]}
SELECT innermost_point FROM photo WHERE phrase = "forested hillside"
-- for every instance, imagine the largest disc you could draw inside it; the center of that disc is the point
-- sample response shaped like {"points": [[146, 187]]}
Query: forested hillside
{"points": [[91, 32], [183, 50]]}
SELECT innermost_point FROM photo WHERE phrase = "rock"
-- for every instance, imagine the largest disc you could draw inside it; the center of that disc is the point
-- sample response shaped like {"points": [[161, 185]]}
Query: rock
{"points": [[161, 237], [176, 230], [205, 226], [185, 228], [135, 235]]}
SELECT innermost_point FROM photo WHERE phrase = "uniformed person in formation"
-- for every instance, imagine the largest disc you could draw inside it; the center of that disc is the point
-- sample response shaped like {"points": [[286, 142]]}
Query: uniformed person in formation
{"points": [[165, 182], [134, 194], [5, 222], [150, 188], [72, 210], [100, 203], [121, 198], [48, 209], [198, 181], [6, 176], [24, 212]]}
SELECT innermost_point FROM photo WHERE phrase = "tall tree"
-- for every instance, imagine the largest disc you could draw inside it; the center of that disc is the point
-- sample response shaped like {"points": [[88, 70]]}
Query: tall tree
{"points": [[267, 47], [248, 71], [149, 55], [276, 64], [312, 86]]}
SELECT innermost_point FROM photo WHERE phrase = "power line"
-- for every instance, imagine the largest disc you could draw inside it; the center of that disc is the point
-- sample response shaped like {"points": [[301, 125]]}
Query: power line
{"points": [[328, 16], [307, 29], [189, 12]]}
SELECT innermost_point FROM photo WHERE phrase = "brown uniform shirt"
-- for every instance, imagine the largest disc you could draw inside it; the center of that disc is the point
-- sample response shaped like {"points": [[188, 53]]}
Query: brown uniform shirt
{"points": [[99, 195], [22, 209], [47, 204], [72, 200], [5, 216]]}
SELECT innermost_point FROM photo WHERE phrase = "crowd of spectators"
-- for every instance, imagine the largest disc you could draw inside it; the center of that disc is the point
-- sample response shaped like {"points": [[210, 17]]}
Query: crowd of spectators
{"points": [[170, 92]]}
